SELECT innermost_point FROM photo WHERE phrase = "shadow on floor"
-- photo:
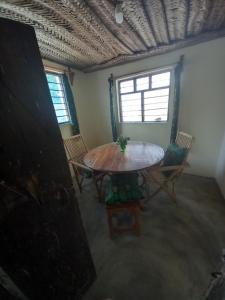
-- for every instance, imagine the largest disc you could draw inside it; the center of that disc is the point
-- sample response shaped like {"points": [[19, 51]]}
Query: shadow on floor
{"points": [[180, 245]]}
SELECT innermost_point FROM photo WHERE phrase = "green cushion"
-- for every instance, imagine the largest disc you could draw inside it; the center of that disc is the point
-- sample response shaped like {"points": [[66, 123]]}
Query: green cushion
{"points": [[123, 188], [174, 155], [85, 173]]}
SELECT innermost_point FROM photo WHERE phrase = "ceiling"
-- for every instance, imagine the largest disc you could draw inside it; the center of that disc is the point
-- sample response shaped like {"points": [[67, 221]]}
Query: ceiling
{"points": [[84, 34]]}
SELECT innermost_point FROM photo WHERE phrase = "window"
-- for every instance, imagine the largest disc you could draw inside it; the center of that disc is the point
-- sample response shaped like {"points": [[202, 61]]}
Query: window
{"points": [[144, 98], [56, 87]]}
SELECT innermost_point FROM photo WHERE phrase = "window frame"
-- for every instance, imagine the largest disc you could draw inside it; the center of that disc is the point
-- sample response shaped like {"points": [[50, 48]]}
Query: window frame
{"points": [[65, 96], [136, 76]]}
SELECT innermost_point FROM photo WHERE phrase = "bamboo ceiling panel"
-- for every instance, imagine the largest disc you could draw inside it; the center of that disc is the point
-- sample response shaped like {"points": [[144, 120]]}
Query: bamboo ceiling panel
{"points": [[83, 33]]}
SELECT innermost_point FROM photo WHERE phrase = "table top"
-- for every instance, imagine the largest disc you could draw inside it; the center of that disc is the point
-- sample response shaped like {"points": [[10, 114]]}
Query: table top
{"points": [[137, 156]]}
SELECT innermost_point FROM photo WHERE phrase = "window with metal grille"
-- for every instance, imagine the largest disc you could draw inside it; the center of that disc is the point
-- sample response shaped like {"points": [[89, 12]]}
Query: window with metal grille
{"points": [[144, 97], [57, 91]]}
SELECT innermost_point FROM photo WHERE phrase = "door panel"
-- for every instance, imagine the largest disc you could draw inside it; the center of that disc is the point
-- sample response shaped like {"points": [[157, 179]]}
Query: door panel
{"points": [[43, 249]]}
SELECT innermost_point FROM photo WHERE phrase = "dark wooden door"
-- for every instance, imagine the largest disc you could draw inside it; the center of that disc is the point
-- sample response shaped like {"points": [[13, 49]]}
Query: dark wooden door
{"points": [[43, 244]]}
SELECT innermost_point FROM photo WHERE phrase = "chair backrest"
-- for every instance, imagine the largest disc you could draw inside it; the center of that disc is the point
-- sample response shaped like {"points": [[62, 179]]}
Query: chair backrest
{"points": [[184, 140], [75, 147]]}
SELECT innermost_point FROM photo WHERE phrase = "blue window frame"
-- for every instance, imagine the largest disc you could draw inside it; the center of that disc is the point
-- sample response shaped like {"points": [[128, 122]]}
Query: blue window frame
{"points": [[57, 91]]}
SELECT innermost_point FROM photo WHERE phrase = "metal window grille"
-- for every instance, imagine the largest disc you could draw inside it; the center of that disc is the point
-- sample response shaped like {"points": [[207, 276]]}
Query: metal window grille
{"points": [[144, 97], [58, 95]]}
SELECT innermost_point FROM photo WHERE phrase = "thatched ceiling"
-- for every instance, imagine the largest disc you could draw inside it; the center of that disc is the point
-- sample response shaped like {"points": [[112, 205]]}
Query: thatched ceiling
{"points": [[84, 34]]}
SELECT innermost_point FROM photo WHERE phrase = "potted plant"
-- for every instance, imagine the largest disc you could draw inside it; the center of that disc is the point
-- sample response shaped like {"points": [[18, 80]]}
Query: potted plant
{"points": [[122, 141]]}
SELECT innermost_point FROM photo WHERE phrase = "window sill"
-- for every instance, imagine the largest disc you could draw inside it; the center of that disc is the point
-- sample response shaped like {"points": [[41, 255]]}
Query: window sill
{"points": [[64, 124], [140, 123]]}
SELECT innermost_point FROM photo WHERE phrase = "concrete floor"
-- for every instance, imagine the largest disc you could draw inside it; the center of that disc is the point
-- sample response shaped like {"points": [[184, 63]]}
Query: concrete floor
{"points": [[180, 245]]}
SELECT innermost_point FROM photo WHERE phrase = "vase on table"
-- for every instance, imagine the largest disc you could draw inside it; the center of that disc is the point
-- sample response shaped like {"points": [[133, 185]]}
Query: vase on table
{"points": [[122, 142]]}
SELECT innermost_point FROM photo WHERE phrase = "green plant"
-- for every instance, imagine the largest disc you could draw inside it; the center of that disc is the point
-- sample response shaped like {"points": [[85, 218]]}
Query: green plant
{"points": [[122, 141]]}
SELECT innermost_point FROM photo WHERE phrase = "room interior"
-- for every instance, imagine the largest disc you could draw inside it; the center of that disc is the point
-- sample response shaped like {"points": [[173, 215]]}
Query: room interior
{"points": [[89, 56]]}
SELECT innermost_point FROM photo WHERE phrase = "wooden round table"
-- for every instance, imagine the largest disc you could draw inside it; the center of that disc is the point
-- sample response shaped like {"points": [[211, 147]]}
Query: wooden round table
{"points": [[137, 156], [124, 192]]}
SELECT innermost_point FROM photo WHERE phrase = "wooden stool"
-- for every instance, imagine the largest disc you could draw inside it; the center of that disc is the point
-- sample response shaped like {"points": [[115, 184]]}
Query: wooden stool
{"points": [[123, 218]]}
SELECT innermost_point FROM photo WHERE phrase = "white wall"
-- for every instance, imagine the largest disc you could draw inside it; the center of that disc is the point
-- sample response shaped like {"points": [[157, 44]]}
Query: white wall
{"points": [[220, 174], [87, 109], [202, 103]]}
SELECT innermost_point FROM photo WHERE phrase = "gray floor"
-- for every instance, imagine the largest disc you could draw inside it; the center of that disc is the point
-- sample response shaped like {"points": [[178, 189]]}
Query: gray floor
{"points": [[178, 248]]}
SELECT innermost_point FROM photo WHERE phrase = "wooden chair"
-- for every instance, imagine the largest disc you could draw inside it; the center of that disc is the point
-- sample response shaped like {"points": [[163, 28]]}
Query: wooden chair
{"points": [[158, 173], [76, 150]]}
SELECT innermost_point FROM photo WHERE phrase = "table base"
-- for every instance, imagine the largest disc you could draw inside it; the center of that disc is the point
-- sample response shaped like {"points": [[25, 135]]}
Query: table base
{"points": [[123, 188]]}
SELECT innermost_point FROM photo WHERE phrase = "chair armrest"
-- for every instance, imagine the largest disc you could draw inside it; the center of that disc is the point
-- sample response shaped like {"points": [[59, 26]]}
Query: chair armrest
{"points": [[171, 168], [80, 165]]}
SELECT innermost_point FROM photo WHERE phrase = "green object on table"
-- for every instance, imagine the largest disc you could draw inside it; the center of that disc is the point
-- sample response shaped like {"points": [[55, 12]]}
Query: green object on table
{"points": [[122, 147], [122, 141], [123, 188]]}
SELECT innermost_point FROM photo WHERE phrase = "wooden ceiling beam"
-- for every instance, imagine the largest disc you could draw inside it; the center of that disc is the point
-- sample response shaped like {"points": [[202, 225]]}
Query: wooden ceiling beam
{"points": [[57, 53], [155, 12], [80, 28], [84, 34], [176, 11], [198, 13], [37, 21], [76, 57], [149, 22], [204, 37], [135, 15], [187, 19], [97, 9], [216, 16], [53, 58], [94, 25], [123, 32]]}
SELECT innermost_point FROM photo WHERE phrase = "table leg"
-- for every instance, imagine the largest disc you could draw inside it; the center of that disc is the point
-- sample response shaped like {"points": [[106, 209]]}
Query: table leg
{"points": [[123, 188]]}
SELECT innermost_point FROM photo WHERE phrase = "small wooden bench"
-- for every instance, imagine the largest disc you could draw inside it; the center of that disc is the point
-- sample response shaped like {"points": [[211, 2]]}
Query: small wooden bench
{"points": [[123, 218]]}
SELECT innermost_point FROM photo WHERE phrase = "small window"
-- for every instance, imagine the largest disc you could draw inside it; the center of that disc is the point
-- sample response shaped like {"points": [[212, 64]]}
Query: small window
{"points": [[144, 98], [126, 86], [142, 83], [57, 91], [161, 80]]}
